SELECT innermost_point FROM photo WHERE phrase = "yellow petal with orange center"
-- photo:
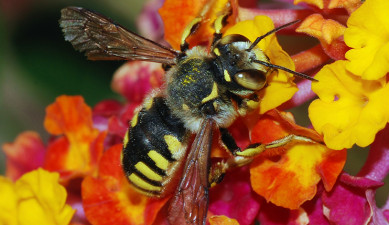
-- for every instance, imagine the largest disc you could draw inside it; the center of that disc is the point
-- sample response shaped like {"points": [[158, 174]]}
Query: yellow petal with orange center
{"points": [[81, 144], [280, 83], [350, 110], [291, 179], [368, 36]]}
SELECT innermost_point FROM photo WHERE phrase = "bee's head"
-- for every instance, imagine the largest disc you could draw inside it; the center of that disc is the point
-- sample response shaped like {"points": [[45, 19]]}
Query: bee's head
{"points": [[244, 68], [236, 61]]}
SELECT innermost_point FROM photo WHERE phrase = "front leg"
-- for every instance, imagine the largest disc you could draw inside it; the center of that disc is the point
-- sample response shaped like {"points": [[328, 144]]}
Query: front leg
{"points": [[257, 148], [241, 158]]}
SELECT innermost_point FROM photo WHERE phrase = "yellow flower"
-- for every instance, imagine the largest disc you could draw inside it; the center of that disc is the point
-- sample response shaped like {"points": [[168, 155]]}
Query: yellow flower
{"points": [[36, 198], [368, 35], [350, 110], [222, 220], [8, 202], [317, 3], [280, 84]]}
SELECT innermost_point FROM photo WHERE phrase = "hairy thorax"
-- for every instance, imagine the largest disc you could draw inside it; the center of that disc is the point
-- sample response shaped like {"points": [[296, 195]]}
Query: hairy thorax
{"points": [[194, 94]]}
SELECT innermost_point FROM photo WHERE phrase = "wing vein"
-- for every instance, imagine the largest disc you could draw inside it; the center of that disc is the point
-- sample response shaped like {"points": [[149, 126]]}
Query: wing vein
{"points": [[101, 39]]}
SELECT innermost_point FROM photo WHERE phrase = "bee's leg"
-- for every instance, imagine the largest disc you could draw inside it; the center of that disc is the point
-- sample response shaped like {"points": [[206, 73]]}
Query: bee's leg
{"points": [[228, 141], [219, 169], [255, 149], [189, 30], [220, 22], [242, 158]]}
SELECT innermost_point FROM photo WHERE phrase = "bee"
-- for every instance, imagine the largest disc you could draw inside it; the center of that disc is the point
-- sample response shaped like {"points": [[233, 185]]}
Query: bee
{"points": [[205, 90]]}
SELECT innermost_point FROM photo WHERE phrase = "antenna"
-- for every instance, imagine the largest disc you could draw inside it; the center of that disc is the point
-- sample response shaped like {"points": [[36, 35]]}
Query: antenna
{"points": [[285, 69], [270, 32]]}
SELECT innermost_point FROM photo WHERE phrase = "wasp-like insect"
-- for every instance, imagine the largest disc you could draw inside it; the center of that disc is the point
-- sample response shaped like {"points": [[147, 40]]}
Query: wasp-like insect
{"points": [[205, 90]]}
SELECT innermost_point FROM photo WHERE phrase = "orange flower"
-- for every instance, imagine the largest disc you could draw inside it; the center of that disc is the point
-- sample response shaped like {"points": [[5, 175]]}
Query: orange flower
{"points": [[290, 179], [329, 32], [175, 23], [78, 149]]}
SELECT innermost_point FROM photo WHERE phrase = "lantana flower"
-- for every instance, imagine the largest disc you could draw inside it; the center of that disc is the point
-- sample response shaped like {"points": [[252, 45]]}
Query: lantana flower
{"points": [[299, 183], [79, 145], [352, 109], [35, 198], [369, 39], [296, 172]]}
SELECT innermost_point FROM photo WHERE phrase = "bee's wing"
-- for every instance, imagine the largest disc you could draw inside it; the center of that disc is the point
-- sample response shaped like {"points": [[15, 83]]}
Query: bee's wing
{"points": [[189, 205], [102, 39]]}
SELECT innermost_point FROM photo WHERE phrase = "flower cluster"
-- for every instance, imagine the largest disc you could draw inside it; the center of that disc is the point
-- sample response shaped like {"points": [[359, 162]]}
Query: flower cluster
{"points": [[76, 177]]}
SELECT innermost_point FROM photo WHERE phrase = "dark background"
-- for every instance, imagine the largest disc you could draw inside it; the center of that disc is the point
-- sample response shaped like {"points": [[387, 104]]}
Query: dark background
{"points": [[37, 64]]}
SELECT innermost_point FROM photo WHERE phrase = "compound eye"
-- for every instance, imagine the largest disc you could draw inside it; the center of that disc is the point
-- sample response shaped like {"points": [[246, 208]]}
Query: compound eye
{"points": [[251, 79]]}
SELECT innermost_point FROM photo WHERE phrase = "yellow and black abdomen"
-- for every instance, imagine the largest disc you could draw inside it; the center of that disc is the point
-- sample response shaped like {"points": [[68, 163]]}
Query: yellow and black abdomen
{"points": [[153, 147]]}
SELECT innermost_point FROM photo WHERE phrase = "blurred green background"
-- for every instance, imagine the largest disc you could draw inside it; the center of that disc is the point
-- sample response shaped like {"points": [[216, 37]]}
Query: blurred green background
{"points": [[37, 65]]}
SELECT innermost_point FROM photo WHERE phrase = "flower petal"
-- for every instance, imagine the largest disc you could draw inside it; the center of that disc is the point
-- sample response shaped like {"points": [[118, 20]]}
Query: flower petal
{"points": [[311, 212], [78, 151], [222, 220], [317, 3], [25, 154], [44, 199], [354, 190], [36, 198], [290, 179], [329, 32], [135, 79], [349, 5], [8, 203], [149, 23], [350, 110], [70, 116], [175, 23], [174, 26], [314, 209], [234, 198], [376, 166], [368, 36], [107, 108], [331, 166], [325, 30]]}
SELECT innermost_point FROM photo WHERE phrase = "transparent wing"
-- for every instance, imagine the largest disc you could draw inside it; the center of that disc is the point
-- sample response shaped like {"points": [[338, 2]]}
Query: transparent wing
{"points": [[102, 39], [189, 205]]}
